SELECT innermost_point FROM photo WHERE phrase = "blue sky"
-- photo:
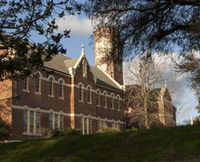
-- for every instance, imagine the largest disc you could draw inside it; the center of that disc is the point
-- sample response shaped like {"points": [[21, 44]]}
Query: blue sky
{"points": [[81, 32]]}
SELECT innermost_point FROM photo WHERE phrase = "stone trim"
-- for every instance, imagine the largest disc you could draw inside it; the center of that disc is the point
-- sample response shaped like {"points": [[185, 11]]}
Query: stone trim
{"points": [[25, 107]]}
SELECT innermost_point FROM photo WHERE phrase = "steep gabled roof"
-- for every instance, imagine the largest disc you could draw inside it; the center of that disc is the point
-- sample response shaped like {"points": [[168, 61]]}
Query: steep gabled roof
{"points": [[58, 63], [102, 78], [63, 63]]}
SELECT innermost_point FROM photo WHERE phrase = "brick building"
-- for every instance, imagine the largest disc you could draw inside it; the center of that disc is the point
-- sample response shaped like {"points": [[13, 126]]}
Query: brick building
{"points": [[160, 109], [67, 93]]}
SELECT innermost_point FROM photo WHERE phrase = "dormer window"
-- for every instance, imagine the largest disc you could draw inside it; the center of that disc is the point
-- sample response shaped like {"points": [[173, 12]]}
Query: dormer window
{"points": [[84, 67]]}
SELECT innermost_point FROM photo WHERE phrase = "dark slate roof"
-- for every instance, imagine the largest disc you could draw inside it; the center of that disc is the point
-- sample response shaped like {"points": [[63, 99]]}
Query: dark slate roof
{"points": [[102, 78], [58, 63], [62, 63], [71, 62]]}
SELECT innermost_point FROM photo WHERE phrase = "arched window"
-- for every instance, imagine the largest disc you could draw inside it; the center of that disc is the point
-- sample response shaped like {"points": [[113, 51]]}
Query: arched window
{"points": [[81, 92], [61, 89], [37, 122], [26, 84], [38, 83], [112, 101], [89, 99], [105, 99], [84, 67], [51, 86], [62, 121], [118, 103], [98, 97]]}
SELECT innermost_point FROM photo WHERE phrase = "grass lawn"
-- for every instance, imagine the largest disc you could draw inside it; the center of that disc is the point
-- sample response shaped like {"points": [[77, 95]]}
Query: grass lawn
{"points": [[163, 144]]}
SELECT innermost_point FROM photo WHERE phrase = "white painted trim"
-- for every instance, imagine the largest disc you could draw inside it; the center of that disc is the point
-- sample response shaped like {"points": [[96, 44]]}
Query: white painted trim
{"points": [[25, 107], [79, 59]]}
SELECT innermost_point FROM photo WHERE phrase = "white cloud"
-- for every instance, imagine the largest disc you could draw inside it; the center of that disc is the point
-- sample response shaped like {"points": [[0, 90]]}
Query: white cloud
{"points": [[79, 26]]}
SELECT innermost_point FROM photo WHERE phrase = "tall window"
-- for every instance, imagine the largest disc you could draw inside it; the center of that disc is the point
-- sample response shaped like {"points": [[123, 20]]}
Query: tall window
{"points": [[61, 122], [80, 92], [37, 83], [25, 84], [84, 67], [98, 98], [105, 100], [118, 103], [37, 122], [61, 89], [112, 101], [56, 120], [25, 121], [51, 126], [31, 122], [51, 87], [89, 100]]}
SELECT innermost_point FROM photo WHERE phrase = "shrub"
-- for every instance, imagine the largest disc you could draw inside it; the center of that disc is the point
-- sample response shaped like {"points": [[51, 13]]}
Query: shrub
{"points": [[108, 130], [4, 130], [133, 129], [66, 132]]}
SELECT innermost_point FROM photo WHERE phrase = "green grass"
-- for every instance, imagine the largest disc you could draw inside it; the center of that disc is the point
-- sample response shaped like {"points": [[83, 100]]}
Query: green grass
{"points": [[163, 144]]}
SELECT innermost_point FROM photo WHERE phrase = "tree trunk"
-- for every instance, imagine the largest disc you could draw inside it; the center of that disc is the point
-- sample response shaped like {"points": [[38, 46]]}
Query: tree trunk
{"points": [[146, 114]]}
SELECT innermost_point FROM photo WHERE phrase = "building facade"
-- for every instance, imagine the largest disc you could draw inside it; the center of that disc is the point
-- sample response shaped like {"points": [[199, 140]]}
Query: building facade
{"points": [[160, 110], [66, 93]]}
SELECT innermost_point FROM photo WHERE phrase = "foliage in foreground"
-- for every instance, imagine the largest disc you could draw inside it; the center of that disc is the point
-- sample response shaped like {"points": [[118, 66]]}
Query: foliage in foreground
{"points": [[163, 144], [66, 132], [4, 130]]}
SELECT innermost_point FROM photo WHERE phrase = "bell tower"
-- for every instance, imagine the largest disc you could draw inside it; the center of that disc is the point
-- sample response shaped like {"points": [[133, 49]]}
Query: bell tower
{"points": [[108, 52]]}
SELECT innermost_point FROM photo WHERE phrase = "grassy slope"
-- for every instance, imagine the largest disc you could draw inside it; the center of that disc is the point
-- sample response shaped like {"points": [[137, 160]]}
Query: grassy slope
{"points": [[165, 144]]}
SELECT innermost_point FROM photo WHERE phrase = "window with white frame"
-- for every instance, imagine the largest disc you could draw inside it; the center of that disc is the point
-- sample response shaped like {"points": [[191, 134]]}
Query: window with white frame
{"points": [[118, 103], [37, 83], [89, 99], [51, 87], [86, 125], [84, 67], [112, 101], [26, 121], [31, 122], [37, 122], [25, 84], [80, 92], [98, 97], [61, 121], [61, 89], [51, 123], [105, 99], [56, 120]]}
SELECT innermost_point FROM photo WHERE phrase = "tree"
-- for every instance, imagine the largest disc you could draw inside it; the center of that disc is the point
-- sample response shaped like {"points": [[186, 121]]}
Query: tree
{"points": [[19, 21], [146, 75], [157, 25], [190, 64]]}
